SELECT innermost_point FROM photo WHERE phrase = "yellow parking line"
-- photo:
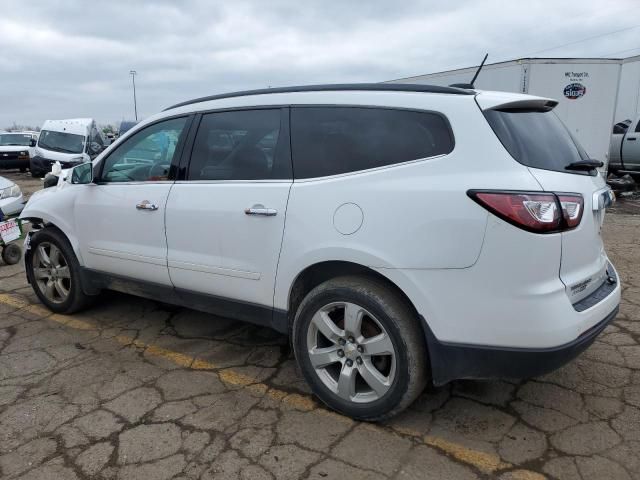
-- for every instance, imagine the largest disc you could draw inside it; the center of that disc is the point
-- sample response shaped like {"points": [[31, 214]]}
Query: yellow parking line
{"points": [[228, 376], [485, 462]]}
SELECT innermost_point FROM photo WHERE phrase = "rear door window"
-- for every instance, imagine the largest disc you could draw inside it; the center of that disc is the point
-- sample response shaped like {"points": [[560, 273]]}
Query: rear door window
{"points": [[332, 140], [240, 145], [536, 139]]}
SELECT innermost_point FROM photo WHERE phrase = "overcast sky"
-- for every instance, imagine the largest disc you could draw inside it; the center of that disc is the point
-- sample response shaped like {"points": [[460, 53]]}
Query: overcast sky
{"points": [[64, 58]]}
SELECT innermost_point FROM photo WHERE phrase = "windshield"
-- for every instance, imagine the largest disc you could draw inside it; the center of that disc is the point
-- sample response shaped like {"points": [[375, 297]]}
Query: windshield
{"points": [[536, 139], [61, 141], [18, 139]]}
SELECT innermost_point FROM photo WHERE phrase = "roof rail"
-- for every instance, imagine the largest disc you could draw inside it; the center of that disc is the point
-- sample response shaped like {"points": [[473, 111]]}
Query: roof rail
{"points": [[380, 87]]}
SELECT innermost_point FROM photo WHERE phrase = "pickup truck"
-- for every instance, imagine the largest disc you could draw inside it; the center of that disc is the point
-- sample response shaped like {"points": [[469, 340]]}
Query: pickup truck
{"points": [[624, 151]]}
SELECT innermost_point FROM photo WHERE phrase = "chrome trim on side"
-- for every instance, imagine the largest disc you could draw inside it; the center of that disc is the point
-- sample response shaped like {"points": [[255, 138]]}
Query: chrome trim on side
{"points": [[127, 256], [228, 272]]}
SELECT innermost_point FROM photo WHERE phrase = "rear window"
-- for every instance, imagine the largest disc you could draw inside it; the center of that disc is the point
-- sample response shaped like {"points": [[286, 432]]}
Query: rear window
{"points": [[333, 140], [536, 139]]}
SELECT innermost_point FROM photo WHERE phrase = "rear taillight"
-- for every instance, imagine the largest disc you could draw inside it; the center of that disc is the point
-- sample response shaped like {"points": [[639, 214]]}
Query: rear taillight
{"points": [[533, 211], [572, 206]]}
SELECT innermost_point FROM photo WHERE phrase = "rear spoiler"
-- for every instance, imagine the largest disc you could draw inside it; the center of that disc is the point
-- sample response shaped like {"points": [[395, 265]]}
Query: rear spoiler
{"points": [[514, 102], [529, 105]]}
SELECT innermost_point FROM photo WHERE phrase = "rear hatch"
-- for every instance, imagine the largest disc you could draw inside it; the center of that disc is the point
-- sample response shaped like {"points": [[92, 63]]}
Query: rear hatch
{"points": [[535, 137]]}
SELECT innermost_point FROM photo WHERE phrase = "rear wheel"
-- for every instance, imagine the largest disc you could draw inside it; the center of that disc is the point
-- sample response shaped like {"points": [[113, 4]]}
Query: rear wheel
{"points": [[54, 272], [360, 347]]}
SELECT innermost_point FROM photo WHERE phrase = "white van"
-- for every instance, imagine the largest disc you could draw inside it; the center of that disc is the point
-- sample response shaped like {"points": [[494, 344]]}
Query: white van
{"points": [[16, 148], [70, 142]]}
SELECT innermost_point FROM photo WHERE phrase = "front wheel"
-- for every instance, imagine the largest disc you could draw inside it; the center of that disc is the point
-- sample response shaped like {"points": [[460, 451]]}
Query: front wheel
{"points": [[54, 272], [360, 347]]}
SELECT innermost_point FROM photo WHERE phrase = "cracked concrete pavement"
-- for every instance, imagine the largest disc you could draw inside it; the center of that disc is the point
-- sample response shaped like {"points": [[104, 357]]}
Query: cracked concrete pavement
{"points": [[133, 389]]}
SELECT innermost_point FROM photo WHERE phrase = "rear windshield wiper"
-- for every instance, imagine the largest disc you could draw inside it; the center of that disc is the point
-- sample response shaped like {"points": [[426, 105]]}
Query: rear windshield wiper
{"points": [[584, 165]]}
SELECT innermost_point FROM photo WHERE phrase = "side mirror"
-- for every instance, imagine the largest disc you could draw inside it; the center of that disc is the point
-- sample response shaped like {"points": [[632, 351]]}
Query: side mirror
{"points": [[82, 174], [32, 142]]}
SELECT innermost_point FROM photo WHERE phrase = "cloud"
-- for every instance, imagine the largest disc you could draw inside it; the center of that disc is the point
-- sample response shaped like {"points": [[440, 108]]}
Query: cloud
{"points": [[72, 59]]}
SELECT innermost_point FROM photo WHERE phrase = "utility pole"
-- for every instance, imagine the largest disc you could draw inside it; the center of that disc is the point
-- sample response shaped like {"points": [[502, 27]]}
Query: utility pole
{"points": [[133, 74]]}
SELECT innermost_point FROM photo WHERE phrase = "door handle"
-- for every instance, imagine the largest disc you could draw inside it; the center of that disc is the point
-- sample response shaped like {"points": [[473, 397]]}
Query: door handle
{"points": [[261, 210], [146, 205], [631, 139]]}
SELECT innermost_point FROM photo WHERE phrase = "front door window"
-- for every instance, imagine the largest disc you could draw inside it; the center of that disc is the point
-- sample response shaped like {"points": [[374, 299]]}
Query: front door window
{"points": [[146, 156]]}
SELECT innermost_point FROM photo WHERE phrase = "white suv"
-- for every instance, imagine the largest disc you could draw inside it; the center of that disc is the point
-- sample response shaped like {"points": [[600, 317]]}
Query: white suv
{"points": [[399, 234]]}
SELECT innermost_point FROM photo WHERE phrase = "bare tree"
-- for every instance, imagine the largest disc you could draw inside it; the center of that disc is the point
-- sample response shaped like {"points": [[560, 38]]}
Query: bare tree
{"points": [[16, 127]]}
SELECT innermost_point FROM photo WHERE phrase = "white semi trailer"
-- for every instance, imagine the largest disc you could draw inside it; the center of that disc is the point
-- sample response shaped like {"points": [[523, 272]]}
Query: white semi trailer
{"points": [[593, 93]]}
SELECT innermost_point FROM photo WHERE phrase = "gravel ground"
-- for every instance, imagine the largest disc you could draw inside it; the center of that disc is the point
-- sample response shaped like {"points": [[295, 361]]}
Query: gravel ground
{"points": [[130, 389]]}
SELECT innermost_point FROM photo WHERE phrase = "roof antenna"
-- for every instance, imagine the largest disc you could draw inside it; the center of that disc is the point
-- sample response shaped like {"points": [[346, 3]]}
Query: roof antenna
{"points": [[473, 80]]}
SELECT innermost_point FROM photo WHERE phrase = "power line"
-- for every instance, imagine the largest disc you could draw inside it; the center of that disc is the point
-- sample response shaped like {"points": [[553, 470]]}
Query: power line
{"points": [[586, 39], [621, 51]]}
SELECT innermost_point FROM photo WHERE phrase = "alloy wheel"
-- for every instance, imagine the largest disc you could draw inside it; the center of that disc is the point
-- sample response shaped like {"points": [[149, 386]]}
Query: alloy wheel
{"points": [[351, 352], [51, 272]]}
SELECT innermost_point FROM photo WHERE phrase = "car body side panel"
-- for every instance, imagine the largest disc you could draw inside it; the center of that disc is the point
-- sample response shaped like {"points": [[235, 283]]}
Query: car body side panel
{"points": [[118, 238], [511, 297], [414, 216], [215, 248]]}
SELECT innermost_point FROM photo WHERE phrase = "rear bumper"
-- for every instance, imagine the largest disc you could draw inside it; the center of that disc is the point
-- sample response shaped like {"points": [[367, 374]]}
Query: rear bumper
{"points": [[453, 360], [450, 361], [494, 320]]}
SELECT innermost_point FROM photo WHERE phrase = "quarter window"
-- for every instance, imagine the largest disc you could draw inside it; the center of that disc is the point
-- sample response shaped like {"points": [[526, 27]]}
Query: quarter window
{"points": [[333, 140], [147, 155], [240, 145]]}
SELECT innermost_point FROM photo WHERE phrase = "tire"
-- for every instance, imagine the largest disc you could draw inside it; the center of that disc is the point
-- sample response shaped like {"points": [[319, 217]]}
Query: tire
{"points": [[75, 299], [11, 254], [383, 312], [35, 174]]}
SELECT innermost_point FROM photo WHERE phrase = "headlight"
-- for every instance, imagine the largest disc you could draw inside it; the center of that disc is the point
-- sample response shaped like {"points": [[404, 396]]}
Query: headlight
{"points": [[23, 154], [12, 191]]}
